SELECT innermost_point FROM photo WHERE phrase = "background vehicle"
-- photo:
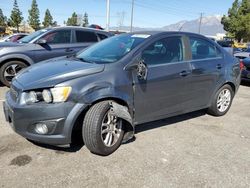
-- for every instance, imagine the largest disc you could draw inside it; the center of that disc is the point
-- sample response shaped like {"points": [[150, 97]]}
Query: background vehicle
{"points": [[245, 74], [13, 38], [123, 81], [243, 54], [44, 44]]}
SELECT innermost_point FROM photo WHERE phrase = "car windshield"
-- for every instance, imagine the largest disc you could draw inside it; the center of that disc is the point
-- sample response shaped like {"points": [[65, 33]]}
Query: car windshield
{"points": [[32, 36], [112, 49]]}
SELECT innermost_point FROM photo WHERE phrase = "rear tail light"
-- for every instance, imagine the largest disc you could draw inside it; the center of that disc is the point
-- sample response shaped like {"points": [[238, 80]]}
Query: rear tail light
{"points": [[242, 66]]}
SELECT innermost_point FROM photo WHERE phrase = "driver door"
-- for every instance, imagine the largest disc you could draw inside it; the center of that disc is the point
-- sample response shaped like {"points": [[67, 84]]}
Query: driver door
{"points": [[162, 90], [58, 44]]}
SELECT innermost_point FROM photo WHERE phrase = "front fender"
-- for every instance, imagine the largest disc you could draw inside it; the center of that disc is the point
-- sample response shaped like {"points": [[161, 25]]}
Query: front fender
{"points": [[105, 90]]}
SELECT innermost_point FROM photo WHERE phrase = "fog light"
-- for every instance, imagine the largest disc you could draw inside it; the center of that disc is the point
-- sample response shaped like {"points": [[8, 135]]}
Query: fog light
{"points": [[41, 128]]}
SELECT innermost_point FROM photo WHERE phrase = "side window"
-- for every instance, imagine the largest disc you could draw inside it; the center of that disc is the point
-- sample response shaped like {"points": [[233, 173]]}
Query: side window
{"points": [[101, 36], [85, 36], [164, 51], [58, 37], [202, 49]]}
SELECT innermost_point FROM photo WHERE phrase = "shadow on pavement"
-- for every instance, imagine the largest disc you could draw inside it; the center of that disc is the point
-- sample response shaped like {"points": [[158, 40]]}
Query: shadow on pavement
{"points": [[78, 142], [245, 83], [168, 121], [76, 145]]}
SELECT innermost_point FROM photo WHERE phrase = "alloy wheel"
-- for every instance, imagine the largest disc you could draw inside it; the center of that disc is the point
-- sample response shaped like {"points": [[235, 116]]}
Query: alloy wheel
{"points": [[111, 129], [11, 71], [224, 100]]}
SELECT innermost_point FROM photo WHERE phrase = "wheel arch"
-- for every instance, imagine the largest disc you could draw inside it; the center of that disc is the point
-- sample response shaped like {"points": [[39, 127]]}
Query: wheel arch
{"points": [[231, 84], [19, 57], [77, 125]]}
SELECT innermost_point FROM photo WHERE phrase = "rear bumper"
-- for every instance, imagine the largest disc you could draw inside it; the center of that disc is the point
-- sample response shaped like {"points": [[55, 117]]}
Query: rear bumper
{"points": [[60, 119]]}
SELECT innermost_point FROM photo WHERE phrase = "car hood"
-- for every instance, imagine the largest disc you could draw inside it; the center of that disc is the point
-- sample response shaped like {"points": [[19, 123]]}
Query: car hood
{"points": [[10, 44], [52, 72]]}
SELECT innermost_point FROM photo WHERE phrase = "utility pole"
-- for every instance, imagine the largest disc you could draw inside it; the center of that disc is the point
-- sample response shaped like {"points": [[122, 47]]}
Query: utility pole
{"points": [[108, 15], [132, 16], [201, 16]]}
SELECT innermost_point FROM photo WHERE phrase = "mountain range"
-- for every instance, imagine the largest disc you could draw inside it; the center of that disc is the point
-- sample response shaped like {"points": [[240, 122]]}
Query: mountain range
{"points": [[210, 25]]}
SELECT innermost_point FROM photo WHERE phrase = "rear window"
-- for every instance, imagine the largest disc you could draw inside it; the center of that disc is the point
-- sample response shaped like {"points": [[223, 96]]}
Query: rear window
{"points": [[203, 49], [85, 36]]}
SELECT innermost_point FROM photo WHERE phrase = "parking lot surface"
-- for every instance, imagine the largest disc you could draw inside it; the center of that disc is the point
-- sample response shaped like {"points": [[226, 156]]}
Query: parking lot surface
{"points": [[192, 150]]}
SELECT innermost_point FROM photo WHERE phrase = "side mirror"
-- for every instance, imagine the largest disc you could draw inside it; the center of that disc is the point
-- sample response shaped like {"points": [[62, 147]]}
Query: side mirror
{"points": [[42, 41]]}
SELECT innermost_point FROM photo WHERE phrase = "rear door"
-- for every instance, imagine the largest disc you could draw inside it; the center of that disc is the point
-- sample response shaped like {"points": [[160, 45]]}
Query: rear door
{"points": [[163, 91], [83, 39], [58, 44], [207, 66]]}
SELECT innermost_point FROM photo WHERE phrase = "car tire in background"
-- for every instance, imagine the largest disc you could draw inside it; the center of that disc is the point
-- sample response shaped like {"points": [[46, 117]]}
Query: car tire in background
{"points": [[102, 132], [222, 101], [9, 70]]}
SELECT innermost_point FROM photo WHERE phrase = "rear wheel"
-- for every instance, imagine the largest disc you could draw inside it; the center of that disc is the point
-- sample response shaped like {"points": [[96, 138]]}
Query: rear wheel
{"points": [[102, 131], [222, 101], [9, 70]]}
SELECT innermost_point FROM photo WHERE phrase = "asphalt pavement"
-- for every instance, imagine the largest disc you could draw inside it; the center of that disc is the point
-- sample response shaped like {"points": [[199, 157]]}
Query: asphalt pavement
{"points": [[192, 150]]}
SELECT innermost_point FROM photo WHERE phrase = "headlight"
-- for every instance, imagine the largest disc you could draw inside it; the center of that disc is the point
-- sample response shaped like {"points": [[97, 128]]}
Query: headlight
{"points": [[30, 97], [47, 96], [60, 94], [53, 95]]}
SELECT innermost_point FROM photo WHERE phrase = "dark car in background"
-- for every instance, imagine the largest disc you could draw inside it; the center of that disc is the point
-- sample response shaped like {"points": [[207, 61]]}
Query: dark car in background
{"points": [[123, 81], [13, 38], [245, 74], [243, 54], [44, 44]]}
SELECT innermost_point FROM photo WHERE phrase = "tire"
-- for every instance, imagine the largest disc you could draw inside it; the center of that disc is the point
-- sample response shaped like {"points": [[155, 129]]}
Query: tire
{"points": [[96, 137], [9, 70], [221, 108]]}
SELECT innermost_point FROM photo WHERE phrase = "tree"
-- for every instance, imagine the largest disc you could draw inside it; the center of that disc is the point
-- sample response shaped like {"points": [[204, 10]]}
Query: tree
{"points": [[16, 16], [33, 19], [72, 21], [85, 20], [236, 23], [48, 19], [3, 18]]}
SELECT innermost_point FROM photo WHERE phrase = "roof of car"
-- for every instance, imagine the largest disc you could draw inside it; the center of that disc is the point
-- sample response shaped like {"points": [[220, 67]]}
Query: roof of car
{"points": [[79, 27], [157, 32]]}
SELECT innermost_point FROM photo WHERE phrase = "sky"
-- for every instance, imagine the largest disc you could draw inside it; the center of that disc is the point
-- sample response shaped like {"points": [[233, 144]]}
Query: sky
{"points": [[147, 13]]}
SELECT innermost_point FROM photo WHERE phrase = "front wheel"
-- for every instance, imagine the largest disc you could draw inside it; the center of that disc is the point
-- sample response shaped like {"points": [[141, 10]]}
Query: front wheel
{"points": [[222, 101], [9, 70], [102, 132]]}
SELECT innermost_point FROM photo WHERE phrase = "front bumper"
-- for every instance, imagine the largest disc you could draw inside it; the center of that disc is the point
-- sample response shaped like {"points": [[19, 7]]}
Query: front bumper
{"points": [[61, 117]]}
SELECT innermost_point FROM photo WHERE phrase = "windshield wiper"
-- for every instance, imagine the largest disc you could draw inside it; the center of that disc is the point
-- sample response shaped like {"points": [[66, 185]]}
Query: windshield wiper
{"points": [[84, 60], [79, 58]]}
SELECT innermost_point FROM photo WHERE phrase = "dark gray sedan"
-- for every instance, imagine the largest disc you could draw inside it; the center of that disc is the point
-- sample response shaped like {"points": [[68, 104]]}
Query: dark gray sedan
{"points": [[123, 81], [44, 44]]}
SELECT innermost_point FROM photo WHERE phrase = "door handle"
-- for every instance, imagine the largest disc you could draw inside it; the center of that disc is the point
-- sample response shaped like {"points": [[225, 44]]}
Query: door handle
{"points": [[219, 66], [69, 50], [184, 73]]}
